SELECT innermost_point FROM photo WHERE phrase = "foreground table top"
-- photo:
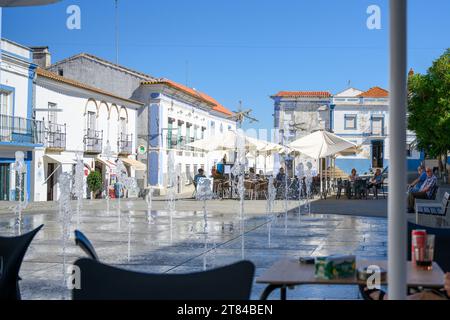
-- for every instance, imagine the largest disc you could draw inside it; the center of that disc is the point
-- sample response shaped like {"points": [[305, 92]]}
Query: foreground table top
{"points": [[292, 272]]}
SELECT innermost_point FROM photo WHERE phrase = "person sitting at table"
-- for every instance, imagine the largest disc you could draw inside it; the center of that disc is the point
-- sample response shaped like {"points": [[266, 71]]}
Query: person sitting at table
{"points": [[417, 184], [351, 186], [213, 171], [252, 174], [376, 180], [425, 191], [353, 176], [280, 183], [443, 294], [281, 176]]}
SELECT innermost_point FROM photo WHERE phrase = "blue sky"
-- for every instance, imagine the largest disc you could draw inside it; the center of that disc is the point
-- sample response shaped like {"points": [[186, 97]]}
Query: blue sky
{"points": [[240, 49]]}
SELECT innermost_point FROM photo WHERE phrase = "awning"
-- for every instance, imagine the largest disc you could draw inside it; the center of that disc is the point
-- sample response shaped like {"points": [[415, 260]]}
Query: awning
{"points": [[108, 163], [61, 159], [137, 165]]}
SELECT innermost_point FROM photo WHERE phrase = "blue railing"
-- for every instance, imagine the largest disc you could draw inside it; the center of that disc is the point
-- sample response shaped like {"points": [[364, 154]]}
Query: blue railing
{"points": [[21, 130]]}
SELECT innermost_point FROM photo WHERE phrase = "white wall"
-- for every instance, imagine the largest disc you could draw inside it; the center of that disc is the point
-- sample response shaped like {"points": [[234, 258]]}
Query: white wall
{"points": [[74, 106], [180, 110]]}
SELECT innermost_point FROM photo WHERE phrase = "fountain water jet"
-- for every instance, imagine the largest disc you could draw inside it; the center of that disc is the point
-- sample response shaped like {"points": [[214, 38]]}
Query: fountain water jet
{"points": [[171, 190], [79, 185], [309, 182], [20, 169], [204, 193], [272, 192], [65, 215], [300, 175], [149, 200], [238, 170], [108, 153], [121, 181]]}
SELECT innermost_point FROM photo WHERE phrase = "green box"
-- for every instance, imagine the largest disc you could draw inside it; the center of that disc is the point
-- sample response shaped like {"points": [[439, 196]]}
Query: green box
{"points": [[335, 267]]}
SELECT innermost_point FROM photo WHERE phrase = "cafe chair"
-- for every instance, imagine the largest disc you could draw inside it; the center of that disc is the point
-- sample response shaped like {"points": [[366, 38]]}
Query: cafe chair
{"points": [[12, 252], [83, 242], [103, 282], [431, 209]]}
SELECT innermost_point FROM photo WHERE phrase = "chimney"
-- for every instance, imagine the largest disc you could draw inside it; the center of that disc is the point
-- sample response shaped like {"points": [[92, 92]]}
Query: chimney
{"points": [[42, 57]]}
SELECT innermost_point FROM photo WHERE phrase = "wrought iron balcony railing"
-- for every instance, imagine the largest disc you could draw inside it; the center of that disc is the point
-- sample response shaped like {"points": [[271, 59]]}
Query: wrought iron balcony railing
{"points": [[21, 130], [93, 141], [125, 143], [55, 136]]}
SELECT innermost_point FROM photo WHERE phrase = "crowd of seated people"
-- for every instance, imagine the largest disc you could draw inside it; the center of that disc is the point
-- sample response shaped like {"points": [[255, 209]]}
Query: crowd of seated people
{"points": [[426, 189]]}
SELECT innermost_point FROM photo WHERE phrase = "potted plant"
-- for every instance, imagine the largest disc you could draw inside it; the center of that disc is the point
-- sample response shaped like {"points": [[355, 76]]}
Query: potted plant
{"points": [[95, 183]]}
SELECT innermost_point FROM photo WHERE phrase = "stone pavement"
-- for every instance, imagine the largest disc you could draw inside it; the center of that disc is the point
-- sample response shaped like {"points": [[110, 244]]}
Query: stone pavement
{"points": [[158, 243]]}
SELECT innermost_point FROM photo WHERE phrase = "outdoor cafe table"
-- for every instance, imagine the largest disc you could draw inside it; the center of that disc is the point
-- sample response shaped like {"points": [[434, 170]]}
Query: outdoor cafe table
{"points": [[289, 273]]}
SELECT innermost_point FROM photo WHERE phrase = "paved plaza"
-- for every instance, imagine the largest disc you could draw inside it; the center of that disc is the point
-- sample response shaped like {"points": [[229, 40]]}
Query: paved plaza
{"points": [[159, 244]]}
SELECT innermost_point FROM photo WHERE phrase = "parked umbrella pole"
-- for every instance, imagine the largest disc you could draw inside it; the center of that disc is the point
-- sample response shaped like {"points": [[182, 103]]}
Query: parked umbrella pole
{"points": [[319, 165], [397, 220]]}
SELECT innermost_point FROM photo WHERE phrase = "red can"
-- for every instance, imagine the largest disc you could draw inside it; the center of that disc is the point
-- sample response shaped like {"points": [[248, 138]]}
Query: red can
{"points": [[418, 241]]}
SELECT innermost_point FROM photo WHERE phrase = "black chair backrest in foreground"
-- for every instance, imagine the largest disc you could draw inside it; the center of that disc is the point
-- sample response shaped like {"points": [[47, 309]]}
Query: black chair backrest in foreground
{"points": [[441, 244], [83, 242], [12, 252], [103, 282]]}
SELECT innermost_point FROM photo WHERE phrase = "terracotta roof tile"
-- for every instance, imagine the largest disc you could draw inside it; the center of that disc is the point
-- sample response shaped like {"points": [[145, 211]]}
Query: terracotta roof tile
{"points": [[375, 92], [304, 94], [216, 106]]}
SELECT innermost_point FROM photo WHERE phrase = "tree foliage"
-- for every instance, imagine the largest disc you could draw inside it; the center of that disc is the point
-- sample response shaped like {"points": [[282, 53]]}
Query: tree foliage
{"points": [[429, 107], [94, 181]]}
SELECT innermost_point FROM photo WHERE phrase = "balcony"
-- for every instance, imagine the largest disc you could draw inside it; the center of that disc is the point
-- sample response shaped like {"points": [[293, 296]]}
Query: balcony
{"points": [[21, 130], [93, 141], [55, 137], [125, 144]]}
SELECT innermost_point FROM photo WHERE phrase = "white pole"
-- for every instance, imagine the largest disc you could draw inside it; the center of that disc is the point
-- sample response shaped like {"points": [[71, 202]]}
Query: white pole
{"points": [[319, 161], [397, 220]]}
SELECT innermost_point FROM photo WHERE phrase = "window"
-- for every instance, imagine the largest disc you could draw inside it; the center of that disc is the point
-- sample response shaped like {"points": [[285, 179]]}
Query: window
{"points": [[123, 125], [5, 103], [213, 128], [91, 121], [377, 125], [169, 134], [61, 72], [350, 122]]}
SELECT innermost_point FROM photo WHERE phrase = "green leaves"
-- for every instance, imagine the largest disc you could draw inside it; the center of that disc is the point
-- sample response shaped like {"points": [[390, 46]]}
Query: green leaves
{"points": [[429, 107], [94, 181]]}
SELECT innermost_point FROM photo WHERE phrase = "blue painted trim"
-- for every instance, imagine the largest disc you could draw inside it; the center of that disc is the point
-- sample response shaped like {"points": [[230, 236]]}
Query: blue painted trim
{"points": [[154, 123], [8, 53], [17, 144], [153, 168], [332, 106], [355, 119], [31, 76], [361, 165]]}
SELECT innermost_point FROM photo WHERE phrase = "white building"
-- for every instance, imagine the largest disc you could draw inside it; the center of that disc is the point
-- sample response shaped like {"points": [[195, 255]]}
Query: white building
{"points": [[363, 117], [81, 120], [18, 130], [298, 114], [176, 115]]}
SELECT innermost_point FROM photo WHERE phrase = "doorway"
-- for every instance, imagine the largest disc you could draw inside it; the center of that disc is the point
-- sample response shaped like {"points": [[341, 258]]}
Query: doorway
{"points": [[377, 154], [5, 171], [50, 181]]}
